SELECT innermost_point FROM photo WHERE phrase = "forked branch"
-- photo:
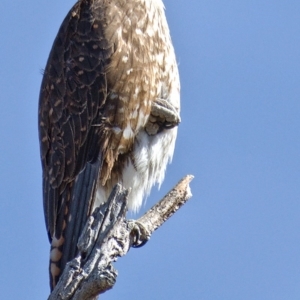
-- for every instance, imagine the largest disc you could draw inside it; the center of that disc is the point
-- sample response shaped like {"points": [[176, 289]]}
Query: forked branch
{"points": [[107, 236]]}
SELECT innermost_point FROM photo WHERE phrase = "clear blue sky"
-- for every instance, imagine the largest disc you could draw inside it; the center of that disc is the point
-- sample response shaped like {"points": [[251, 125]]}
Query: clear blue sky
{"points": [[239, 236]]}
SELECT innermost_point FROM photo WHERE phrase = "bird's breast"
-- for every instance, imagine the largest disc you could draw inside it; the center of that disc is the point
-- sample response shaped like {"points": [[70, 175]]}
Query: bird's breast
{"points": [[142, 69], [143, 66]]}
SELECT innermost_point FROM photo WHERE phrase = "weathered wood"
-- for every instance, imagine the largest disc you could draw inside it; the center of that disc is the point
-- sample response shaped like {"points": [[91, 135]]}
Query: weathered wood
{"points": [[107, 236], [166, 207]]}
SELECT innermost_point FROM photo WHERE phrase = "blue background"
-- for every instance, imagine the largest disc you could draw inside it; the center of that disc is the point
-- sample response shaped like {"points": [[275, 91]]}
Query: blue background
{"points": [[238, 237]]}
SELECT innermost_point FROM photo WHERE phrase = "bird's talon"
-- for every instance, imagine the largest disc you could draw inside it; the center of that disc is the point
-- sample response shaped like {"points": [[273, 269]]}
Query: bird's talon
{"points": [[140, 235], [165, 113]]}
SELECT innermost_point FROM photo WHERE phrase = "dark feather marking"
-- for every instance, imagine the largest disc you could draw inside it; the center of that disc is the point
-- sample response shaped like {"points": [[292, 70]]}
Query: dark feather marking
{"points": [[84, 188], [73, 92]]}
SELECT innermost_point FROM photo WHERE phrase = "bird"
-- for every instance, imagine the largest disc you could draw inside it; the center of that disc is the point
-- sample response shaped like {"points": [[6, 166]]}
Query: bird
{"points": [[109, 109]]}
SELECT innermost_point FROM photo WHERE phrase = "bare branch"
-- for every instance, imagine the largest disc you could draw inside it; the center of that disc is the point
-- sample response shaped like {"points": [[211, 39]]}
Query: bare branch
{"points": [[166, 207], [107, 236]]}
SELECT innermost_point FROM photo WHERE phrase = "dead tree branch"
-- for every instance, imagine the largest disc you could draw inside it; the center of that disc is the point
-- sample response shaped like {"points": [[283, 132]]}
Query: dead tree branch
{"points": [[107, 236]]}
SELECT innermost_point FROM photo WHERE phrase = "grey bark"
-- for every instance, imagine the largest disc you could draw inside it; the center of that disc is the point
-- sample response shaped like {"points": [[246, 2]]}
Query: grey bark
{"points": [[107, 236]]}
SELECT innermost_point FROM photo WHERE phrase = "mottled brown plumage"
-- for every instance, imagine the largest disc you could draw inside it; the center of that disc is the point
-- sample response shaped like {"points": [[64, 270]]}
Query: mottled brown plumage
{"points": [[108, 105]]}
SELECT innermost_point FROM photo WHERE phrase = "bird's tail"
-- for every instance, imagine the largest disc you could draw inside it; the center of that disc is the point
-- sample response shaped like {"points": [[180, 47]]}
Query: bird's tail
{"points": [[77, 203]]}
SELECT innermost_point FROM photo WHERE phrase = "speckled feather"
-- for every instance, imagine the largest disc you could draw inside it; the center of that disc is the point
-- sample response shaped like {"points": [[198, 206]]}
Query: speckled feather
{"points": [[109, 62]]}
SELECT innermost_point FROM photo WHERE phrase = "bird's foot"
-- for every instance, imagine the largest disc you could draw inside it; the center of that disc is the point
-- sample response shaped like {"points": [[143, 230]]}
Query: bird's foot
{"points": [[139, 234], [163, 116]]}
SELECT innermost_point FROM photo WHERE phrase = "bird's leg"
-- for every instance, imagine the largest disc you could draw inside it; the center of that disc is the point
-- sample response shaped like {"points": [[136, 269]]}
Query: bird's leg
{"points": [[163, 116], [139, 234]]}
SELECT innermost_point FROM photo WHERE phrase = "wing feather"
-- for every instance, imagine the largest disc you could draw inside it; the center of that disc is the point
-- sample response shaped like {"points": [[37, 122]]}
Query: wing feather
{"points": [[73, 92]]}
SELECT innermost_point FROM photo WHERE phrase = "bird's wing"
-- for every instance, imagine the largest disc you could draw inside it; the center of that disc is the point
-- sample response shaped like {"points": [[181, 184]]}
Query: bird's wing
{"points": [[73, 93]]}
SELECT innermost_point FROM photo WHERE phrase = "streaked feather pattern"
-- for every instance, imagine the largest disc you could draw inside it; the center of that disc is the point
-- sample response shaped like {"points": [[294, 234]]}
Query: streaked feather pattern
{"points": [[109, 62]]}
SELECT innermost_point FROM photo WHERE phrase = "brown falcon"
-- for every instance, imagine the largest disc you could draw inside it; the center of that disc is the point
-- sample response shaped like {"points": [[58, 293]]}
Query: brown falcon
{"points": [[108, 110]]}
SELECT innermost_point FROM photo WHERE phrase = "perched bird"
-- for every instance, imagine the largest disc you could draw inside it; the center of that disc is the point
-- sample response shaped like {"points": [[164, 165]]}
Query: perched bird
{"points": [[108, 113]]}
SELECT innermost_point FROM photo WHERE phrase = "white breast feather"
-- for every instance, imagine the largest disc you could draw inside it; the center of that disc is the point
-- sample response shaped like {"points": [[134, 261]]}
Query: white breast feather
{"points": [[151, 156]]}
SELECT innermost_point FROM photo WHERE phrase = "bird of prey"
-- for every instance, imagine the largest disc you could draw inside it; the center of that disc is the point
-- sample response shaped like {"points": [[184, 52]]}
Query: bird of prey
{"points": [[108, 113]]}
